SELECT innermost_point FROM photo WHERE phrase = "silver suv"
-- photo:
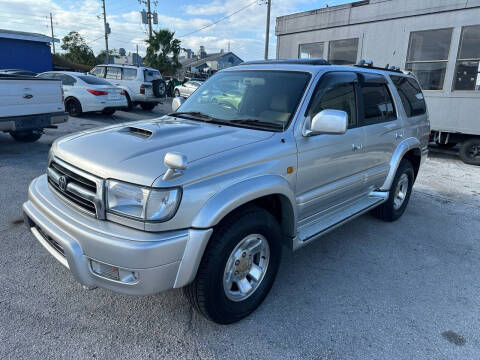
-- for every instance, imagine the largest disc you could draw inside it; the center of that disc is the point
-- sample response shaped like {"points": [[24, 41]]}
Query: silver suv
{"points": [[265, 154], [143, 86]]}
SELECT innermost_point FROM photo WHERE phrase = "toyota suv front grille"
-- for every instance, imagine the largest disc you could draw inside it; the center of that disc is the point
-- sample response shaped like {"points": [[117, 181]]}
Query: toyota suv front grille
{"points": [[76, 187]]}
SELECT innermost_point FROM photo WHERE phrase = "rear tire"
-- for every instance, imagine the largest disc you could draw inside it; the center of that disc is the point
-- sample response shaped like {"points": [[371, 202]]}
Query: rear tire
{"points": [[399, 194], [213, 293], [73, 107], [148, 106], [27, 135], [470, 151]]}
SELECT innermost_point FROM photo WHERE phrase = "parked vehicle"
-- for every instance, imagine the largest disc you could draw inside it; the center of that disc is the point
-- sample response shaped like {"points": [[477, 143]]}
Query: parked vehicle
{"points": [[28, 105], [143, 86], [187, 88], [286, 166], [87, 93], [17, 72]]}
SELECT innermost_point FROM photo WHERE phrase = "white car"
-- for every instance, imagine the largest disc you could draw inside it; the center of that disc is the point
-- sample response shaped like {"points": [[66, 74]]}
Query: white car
{"points": [[87, 93], [143, 86], [187, 89]]}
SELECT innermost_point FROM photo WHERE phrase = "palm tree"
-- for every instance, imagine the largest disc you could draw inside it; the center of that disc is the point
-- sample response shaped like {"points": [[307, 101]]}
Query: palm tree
{"points": [[159, 47]]}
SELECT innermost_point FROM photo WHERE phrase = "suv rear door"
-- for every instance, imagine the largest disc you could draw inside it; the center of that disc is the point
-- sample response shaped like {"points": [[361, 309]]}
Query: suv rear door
{"points": [[331, 168], [383, 127]]}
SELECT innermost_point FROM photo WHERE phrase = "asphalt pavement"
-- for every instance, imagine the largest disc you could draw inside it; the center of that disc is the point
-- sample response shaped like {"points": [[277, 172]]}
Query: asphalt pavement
{"points": [[368, 290]]}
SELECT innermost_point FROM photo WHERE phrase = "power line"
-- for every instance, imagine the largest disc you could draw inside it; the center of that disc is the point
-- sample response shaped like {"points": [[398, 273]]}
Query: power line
{"points": [[216, 22]]}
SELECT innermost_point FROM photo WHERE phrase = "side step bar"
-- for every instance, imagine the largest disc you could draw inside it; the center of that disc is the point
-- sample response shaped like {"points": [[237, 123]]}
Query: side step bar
{"points": [[331, 221]]}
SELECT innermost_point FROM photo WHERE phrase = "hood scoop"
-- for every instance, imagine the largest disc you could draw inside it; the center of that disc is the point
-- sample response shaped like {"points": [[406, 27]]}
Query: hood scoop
{"points": [[138, 131]]}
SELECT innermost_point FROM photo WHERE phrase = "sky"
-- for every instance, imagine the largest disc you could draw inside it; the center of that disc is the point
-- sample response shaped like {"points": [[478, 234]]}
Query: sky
{"points": [[245, 31]]}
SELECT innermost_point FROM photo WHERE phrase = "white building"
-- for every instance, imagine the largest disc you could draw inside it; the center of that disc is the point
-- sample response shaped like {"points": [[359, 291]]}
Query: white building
{"points": [[438, 40]]}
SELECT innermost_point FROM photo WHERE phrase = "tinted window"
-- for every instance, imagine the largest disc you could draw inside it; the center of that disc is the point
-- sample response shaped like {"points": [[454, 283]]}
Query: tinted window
{"points": [[410, 94], [377, 104], [428, 56], [310, 51], [129, 74], [467, 71], [335, 91], [114, 73], [66, 79], [92, 80], [99, 71], [343, 52]]}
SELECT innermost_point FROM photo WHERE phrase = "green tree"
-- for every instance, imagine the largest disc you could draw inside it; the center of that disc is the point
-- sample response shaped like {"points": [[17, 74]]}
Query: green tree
{"points": [[77, 50], [100, 58], [162, 52]]}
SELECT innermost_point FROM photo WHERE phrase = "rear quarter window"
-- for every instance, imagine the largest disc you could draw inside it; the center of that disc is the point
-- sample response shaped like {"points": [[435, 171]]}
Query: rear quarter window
{"points": [[129, 74], [411, 95]]}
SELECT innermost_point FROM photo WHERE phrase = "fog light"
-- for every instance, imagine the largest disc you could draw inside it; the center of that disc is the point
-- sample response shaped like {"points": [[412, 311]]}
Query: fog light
{"points": [[112, 272]]}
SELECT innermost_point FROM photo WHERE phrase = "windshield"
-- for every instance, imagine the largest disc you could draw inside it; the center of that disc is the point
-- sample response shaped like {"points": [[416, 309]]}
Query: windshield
{"points": [[93, 80], [265, 99]]}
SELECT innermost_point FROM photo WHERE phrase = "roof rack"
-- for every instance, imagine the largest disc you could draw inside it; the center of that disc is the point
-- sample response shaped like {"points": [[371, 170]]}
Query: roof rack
{"points": [[369, 64], [288, 61]]}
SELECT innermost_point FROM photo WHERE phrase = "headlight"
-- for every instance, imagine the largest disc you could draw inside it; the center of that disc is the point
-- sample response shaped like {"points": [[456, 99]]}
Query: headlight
{"points": [[142, 203]]}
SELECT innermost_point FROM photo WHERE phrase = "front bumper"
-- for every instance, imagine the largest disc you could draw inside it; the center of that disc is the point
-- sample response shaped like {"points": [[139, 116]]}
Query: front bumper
{"points": [[159, 261]]}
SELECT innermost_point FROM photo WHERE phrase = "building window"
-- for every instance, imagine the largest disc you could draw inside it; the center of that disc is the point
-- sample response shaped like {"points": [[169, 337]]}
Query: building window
{"points": [[343, 52], [468, 60], [310, 51], [428, 56]]}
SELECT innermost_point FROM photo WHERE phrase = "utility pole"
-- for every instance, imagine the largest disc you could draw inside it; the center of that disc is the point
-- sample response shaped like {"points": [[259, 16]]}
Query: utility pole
{"points": [[267, 29], [105, 25], [136, 59], [53, 38], [149, 18]]}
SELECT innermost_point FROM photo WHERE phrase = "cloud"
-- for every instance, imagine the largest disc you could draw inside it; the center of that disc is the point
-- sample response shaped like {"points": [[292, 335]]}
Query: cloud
{"points": [[245, 30]]}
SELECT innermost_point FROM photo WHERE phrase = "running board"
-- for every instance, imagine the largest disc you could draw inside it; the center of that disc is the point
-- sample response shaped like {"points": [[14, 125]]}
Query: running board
{"points": [[332, 220]]}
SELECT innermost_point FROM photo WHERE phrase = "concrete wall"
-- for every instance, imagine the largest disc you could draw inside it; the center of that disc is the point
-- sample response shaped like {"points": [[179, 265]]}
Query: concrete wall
{"points": [[383, 29], [25, 55]]}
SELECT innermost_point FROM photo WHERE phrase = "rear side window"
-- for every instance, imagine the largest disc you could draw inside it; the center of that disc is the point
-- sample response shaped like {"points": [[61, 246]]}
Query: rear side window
{"points": [[66, 79], [129, 74], [114, 73], [377, 104], [410, 94]]}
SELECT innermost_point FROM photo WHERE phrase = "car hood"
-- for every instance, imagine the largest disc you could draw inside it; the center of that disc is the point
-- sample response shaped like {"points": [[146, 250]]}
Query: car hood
{"points": [[134, 152]]}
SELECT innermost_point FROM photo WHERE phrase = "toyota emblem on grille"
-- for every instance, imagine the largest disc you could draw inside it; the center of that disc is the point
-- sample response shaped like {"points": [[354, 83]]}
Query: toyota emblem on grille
{"points": [[62, 183]]}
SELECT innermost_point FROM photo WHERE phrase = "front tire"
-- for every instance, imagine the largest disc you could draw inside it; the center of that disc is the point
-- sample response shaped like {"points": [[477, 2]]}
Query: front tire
{"points": [[399, 194], [238, 267]]}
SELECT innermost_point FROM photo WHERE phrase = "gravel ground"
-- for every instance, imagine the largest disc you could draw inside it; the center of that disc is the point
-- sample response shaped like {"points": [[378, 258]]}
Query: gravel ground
{"points": [[368, 290]]}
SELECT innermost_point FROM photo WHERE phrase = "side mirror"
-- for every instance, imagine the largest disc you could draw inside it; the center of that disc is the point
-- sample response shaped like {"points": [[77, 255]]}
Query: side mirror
{"points": [[175, 163], [328, 122], [177, 102]]}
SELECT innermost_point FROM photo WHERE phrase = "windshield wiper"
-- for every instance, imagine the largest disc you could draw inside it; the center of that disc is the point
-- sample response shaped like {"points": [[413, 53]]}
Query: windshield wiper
{"points": [[195, 114], [257, 123]]}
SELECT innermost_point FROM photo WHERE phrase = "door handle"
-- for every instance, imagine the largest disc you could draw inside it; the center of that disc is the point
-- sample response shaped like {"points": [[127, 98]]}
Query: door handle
{"points": [[27, 96], [357, 147]]}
